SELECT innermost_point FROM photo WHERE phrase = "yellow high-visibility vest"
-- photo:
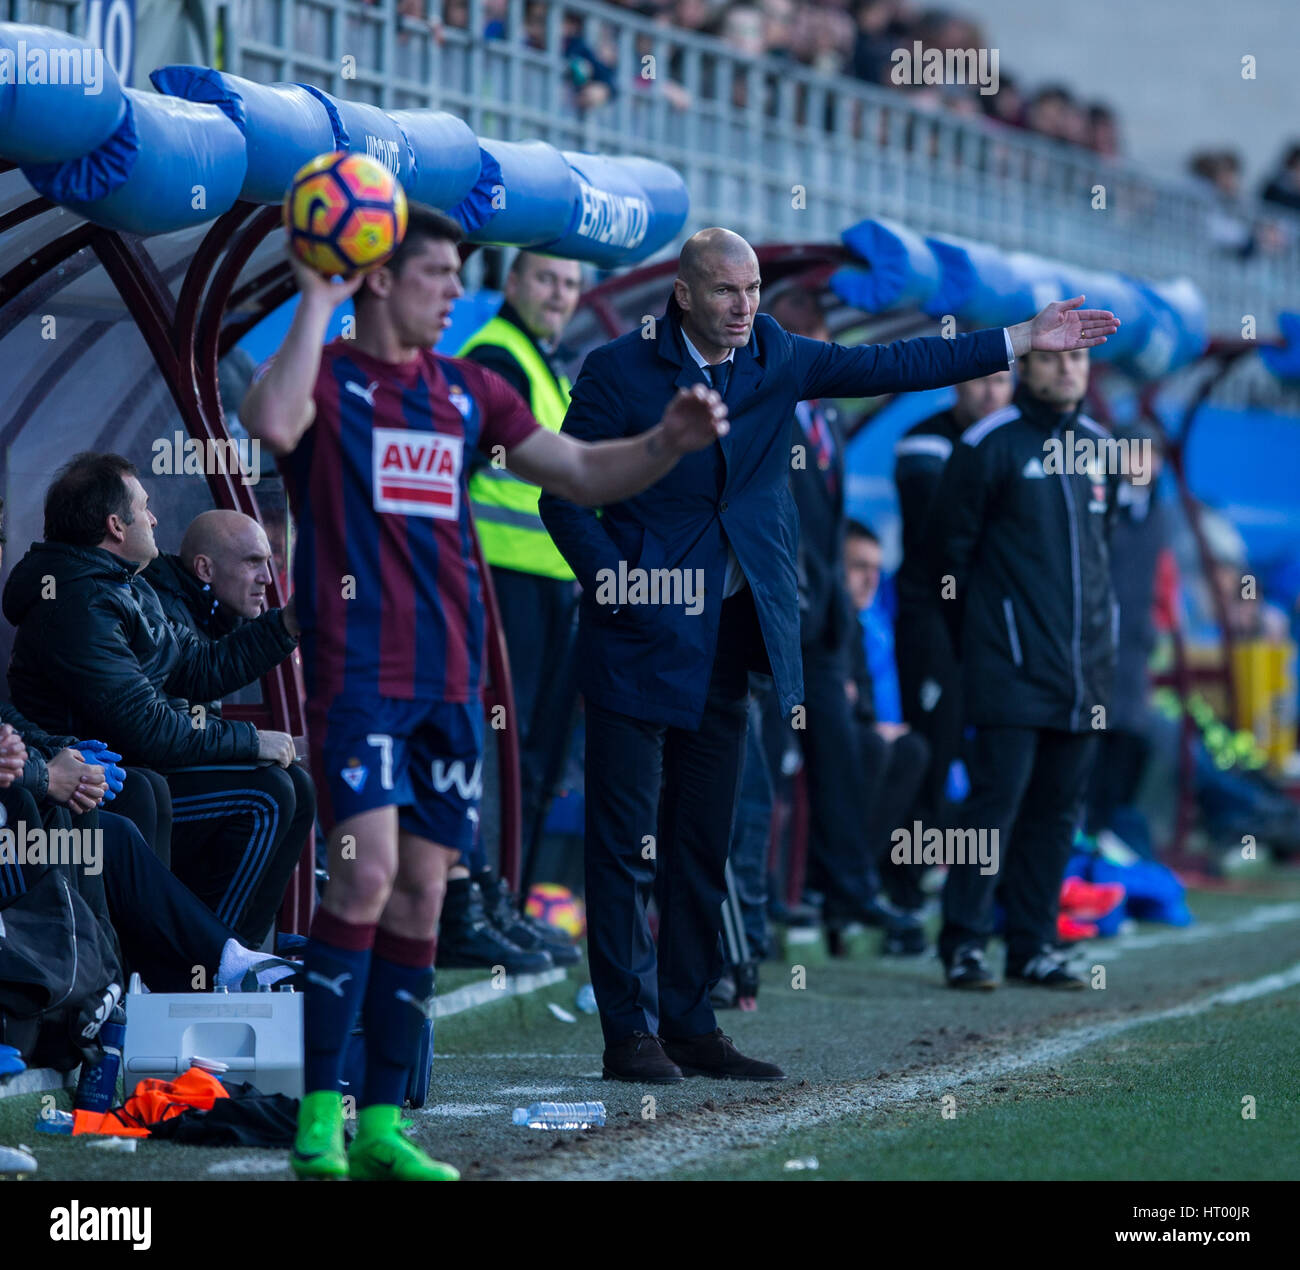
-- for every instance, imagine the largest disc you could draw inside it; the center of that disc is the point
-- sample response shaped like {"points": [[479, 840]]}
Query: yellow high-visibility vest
{"points": [[505, 508]]}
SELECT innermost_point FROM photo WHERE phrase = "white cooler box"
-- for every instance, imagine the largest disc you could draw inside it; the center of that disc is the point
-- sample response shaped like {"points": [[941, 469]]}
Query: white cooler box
{"points": [[257, 1035]]}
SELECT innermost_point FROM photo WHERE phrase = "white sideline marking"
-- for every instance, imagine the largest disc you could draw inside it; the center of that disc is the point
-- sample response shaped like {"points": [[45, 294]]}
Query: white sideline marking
{"points": [[476, 994], [675, 1145], [250, 1165], [459, 1110], [1257, 919]]}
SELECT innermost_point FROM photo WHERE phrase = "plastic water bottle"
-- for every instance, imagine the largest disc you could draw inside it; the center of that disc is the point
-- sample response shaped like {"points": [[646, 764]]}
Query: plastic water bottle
{"points": [[561, 1115], [97, 1086], [586, 999]]}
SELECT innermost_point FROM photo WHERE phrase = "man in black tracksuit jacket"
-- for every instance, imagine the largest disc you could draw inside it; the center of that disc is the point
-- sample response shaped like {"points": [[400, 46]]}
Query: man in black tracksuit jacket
{"points": [[928, 681], [95, 656], [1017, 543]]}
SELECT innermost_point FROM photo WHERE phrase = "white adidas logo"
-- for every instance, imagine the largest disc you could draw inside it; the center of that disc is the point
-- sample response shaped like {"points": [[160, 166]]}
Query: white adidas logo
{"points": [[1034, 468]]}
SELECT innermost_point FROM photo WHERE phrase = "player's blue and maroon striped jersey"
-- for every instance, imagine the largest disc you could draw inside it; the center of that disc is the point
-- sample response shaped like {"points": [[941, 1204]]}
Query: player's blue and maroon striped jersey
{"points": [[388, 594]]}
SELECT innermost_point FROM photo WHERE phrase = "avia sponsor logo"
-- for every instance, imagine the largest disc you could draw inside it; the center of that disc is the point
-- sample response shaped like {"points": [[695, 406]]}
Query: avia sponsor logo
{"points": [[180, 455], [682, 588], [445, 775], [921, 65], [617, 220], [929, 847], [1093, 456], [417, 473], [72, 848], [99, 1225], [83, 67]]}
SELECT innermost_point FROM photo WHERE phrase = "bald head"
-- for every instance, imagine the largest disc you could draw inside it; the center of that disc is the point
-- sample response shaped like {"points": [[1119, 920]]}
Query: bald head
{"points": [[704, 252], [717, 289], [230, 553]]}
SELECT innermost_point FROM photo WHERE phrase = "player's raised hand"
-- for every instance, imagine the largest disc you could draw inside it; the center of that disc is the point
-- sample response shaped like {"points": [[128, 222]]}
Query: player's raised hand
{"points": [[315, 286], [1063, 325], [694, 419]]}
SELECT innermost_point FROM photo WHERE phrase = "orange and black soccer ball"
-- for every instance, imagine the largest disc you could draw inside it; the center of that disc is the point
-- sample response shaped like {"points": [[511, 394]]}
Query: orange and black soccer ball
{"points": [[344, 214]]}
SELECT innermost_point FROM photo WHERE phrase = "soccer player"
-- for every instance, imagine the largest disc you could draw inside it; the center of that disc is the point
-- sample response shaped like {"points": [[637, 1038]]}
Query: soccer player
{"points": [[372, 434]]}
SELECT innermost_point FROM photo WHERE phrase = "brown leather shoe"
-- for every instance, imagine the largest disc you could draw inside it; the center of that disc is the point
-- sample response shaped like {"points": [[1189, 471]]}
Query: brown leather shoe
{"points": [[640, 1058], [715, 1055]]}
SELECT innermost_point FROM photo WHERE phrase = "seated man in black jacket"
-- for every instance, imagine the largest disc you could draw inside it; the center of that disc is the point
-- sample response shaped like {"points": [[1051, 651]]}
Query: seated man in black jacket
{"points": [[162, 930], [94, 655], [216, 583]]}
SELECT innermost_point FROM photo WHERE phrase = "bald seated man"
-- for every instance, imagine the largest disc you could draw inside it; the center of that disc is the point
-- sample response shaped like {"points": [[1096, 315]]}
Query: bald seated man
{"points": [[220, 578]]}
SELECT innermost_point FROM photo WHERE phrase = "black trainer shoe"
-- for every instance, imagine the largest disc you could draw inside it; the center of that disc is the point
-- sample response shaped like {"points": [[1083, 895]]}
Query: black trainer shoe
{"points": [[640, 1058], [967, 969], [879, 912], [906, 942], [467, 940], [715, 1055], [1047, 970], [528, 932]]}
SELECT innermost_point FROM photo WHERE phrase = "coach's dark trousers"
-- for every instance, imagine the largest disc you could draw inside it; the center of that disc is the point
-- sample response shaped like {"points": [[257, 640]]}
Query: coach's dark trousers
{"points": [[1028, 784], [675, 845]]}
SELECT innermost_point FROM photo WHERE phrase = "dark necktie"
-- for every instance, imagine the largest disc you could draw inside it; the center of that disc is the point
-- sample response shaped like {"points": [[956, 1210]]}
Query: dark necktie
{"points": [[719, 375], [819, 434]]}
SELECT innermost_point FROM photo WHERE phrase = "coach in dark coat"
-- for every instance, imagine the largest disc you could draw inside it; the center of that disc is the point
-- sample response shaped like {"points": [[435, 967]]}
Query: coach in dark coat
{"points": [[666, 682]]}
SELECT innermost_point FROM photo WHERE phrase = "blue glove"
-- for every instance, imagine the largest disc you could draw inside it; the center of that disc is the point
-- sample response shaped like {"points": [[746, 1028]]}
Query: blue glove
{"points": [[99, 755]]}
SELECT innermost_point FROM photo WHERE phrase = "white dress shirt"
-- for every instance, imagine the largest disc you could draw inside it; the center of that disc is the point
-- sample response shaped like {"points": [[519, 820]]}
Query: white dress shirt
{"points": [[736, 579]]}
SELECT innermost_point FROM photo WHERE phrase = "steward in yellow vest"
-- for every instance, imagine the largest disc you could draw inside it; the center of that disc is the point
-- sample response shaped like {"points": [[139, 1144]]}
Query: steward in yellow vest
{"points": [[505, 508], [537, 598]]}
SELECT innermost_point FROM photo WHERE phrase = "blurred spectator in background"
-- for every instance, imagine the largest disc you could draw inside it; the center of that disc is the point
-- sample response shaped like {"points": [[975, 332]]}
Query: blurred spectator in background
{"points": [[1283, 188], [1103, 130], [1054, 113], [892, 759], [879, 33], [1230, 224], [1139, 548], [1007, 105], [927, 666]]}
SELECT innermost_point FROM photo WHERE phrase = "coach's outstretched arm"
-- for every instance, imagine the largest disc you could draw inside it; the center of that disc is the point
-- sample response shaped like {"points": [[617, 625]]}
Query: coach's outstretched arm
{"points": [[278, 408], [590, 473], [833, 370]]}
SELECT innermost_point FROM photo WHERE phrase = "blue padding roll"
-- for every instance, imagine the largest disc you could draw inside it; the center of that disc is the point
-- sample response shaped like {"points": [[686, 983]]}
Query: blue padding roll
{"points": [[367, 129], [445, 153], [625, 210], [977, 285], [171, 164], [1178, 331], [904, 272], [1284, 362], [284, 125], [52, 122], [524, 194]]}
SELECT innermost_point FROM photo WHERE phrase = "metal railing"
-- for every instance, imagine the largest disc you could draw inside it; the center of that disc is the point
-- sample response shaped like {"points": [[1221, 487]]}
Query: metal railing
{"points": [[771, 150]]}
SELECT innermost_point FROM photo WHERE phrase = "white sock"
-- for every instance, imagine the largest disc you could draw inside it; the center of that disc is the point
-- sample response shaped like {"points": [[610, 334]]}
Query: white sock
{"points": [[237, 961]]}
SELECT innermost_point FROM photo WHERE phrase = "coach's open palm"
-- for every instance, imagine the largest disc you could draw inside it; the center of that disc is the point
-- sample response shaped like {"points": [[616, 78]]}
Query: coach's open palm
{"points": [[694, 419], [1063, 325]]}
